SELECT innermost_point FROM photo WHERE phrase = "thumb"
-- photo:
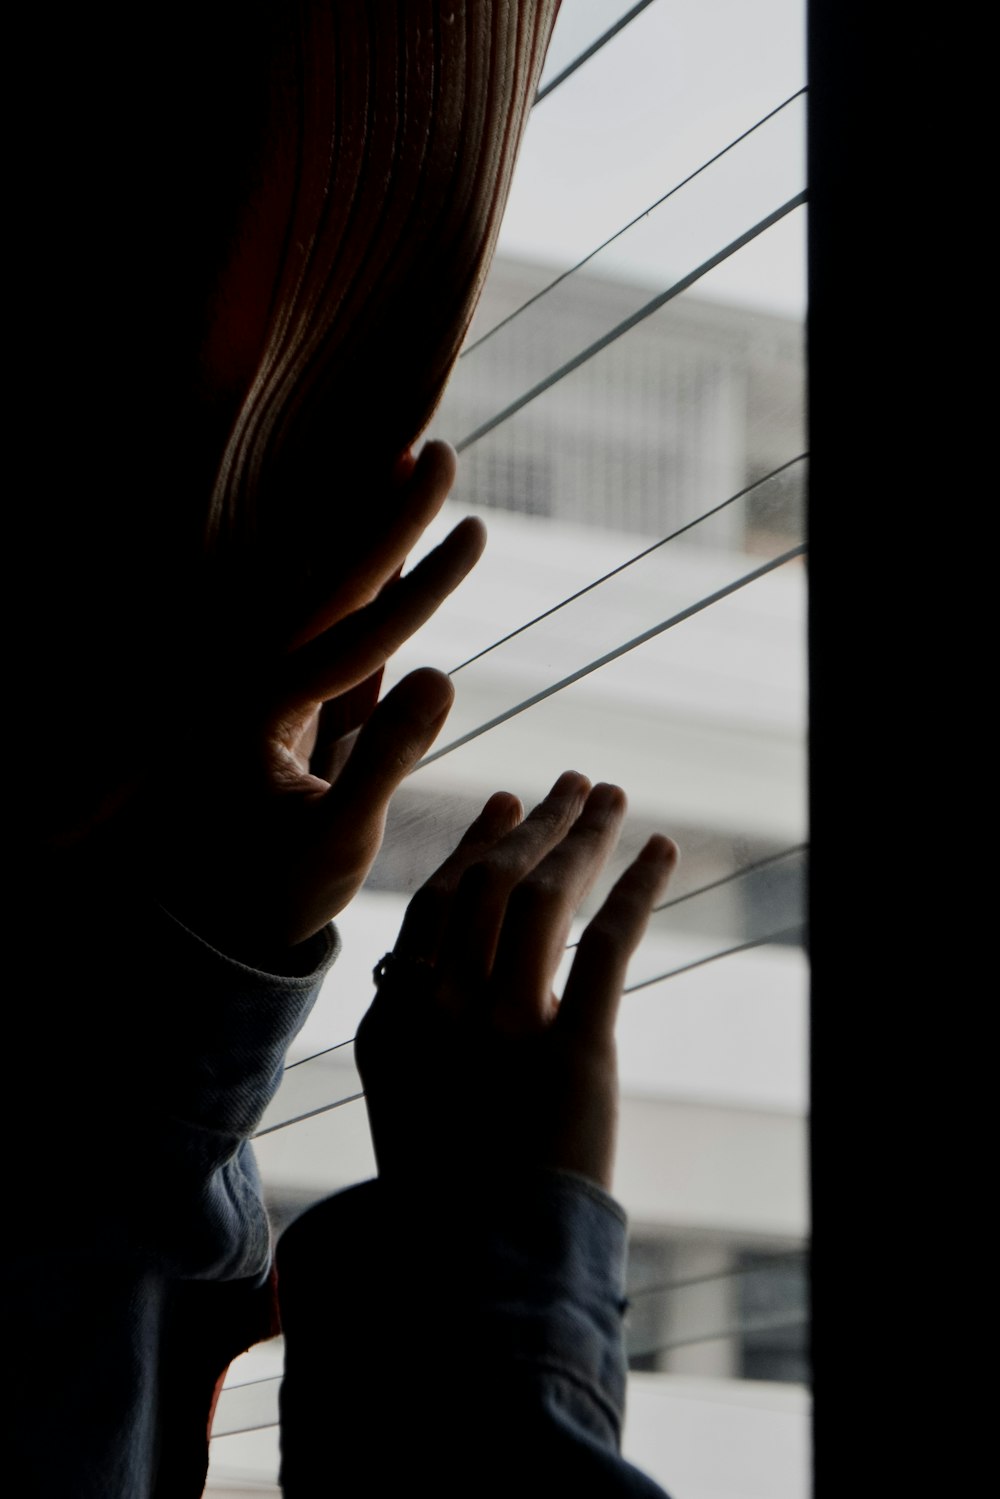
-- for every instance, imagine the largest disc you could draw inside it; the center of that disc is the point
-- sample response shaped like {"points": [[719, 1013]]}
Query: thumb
{"points": [[398, 733]]}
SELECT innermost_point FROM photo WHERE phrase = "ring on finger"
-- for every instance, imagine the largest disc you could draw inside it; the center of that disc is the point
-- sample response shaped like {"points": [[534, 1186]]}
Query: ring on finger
{"points": [[414, 972]]}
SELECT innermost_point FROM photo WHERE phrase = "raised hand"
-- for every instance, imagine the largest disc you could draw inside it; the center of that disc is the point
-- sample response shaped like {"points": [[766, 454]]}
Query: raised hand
{"points": [[243, 840], [470, 1062]]}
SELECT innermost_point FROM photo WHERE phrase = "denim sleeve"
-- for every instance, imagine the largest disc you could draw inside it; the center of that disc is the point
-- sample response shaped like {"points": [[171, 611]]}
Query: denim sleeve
{"points": [[468, 1340], [230, 1027], [157, 1057], [139, 1248]]}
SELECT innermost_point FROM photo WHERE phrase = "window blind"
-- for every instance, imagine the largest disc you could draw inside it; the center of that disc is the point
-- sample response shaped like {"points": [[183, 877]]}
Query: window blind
{"points": [[627, 627], [688, 1307], [770, 892]]}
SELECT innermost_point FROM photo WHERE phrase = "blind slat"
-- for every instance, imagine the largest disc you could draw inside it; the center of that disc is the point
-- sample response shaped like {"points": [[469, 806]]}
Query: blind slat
{"points": [[766, 159], [556, 71]]}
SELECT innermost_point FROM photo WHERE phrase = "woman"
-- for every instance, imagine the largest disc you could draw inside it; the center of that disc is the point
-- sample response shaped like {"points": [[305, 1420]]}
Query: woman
{"points": [[258, 235]]}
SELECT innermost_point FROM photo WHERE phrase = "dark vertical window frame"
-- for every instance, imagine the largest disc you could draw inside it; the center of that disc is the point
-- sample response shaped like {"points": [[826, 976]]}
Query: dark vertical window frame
{"points": [[837, 292], [888, 262]]}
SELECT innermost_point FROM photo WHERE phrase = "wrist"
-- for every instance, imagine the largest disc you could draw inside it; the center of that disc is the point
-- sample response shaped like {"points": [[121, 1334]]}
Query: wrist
{"points": [[237, 943]]}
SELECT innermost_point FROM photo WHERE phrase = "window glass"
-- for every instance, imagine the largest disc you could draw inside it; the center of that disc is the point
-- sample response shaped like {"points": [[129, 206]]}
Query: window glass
{"points": [[656, 483]]}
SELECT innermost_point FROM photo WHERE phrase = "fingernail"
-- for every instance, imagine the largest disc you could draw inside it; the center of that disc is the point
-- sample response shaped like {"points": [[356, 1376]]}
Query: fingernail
{"points": [[502, 802], [660, 850], [434, 697], [571, 783], [605, 800]]}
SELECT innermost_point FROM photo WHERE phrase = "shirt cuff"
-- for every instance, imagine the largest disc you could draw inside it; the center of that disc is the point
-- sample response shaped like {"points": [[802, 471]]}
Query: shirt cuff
{"points": [[524, 1275]]}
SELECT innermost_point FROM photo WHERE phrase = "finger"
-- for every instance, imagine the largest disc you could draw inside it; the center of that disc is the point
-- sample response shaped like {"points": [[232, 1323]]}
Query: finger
{"points": [[594, 988], [357, 646], [338, 722], [539, 912], [477, 911], [422, 495], [401, 730], [426, 915]]}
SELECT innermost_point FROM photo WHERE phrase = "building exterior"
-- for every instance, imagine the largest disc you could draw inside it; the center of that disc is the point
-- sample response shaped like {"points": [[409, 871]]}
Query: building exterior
{"points": [[703, 724]]}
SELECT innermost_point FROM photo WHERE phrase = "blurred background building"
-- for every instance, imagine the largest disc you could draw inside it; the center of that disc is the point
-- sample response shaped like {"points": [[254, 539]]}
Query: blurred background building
{"points": [[629, 414], [695, 407]]}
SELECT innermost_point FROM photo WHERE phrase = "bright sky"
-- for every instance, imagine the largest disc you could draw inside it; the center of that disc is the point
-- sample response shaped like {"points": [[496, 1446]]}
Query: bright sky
{"points": [[674, 87]]}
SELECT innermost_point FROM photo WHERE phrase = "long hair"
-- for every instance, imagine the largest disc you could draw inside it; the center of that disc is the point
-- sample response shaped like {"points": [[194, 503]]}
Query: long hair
{"points": [[263, 228]]}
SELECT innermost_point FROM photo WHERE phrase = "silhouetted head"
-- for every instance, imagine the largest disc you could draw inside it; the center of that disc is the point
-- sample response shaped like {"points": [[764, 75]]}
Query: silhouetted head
{"points": [[251, 239]]}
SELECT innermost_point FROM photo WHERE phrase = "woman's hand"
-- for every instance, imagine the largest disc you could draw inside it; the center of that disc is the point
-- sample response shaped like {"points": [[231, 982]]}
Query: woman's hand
{"points": [[244, 841], [470, 1062]]}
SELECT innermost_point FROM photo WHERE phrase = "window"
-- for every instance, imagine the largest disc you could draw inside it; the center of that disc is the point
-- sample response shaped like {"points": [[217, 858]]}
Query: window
{"points": [[629, 412]]}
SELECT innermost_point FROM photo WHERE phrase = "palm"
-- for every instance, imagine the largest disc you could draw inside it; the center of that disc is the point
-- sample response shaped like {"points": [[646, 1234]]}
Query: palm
{"points": [[263, 857]]}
